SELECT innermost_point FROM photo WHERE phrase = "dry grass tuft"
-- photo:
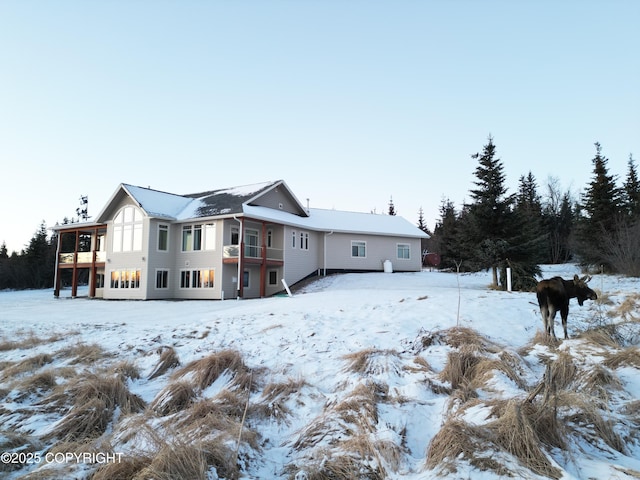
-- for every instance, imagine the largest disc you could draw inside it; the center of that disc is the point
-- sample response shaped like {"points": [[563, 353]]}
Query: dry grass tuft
{"points": [[27, 365], [127, 468], [373, 361], [168, 360], [584, 413], [176, 460], [628, 356], [95, 399], [456, 439], [207, 370], [176, 396], [275, 396], [460, 367], [562, 371], [514, 432], [84, 353], [603, 335]]}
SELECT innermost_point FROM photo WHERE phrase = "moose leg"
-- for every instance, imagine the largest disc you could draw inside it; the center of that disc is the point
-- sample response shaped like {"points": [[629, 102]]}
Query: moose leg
{"points": [[544, 311], [551, 320], [564, 313]]}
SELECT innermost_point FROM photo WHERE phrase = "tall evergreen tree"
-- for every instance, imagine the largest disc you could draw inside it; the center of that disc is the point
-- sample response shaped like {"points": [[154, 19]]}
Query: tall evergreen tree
{"points": [[600, 212], [631, 192], [445, 237], [486, 225], [558, 218]]}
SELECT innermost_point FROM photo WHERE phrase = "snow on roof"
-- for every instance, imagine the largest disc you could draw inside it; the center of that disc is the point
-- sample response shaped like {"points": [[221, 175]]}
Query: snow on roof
{"points": [[158, 203], [339, 221]]}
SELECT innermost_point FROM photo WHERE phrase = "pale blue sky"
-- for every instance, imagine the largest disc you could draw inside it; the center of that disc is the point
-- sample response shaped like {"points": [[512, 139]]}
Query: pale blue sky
{"points": [[350, 102]]}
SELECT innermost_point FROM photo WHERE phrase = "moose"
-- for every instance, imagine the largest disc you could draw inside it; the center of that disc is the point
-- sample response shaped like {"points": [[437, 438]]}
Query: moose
{"points": [[554, 294]]}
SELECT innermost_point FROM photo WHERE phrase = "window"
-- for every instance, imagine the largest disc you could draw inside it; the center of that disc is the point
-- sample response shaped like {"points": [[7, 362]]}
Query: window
{"points": [[127, 230], [245, 279], [100, 280], [269, 238], [293, 239], [304, 240], [202, 278], [235, 236], [198, 237], [403, 250], [252, 249], [273, 277], [126, 278], [163, 237], [162, 279], [358, 249]]}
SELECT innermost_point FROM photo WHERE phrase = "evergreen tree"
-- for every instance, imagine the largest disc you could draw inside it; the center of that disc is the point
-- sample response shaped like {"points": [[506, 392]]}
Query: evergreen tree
{"points": [[421, 224], [486, 227], [600, 211], [558, 218], [445, 239], [392, 208], [3, 251], [631, 192]]}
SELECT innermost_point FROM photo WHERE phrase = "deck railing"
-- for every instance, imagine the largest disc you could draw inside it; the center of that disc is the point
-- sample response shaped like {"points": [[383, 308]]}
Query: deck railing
{"points": [[83, 257], [251, 251]]}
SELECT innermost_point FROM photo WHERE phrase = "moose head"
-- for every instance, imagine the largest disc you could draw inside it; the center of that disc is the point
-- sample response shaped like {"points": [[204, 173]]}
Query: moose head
{"points": [[582, 290]]}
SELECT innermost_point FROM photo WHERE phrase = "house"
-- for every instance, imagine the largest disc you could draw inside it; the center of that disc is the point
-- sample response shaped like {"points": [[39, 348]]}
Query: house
{"points": [[235, 242]]}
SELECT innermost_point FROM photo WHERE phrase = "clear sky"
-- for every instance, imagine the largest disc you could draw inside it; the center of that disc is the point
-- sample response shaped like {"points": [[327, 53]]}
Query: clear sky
{"points": [[350, 102]]}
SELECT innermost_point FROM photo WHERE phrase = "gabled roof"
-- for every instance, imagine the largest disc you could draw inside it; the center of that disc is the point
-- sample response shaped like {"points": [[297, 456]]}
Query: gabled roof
{"points": [[226, 201]]}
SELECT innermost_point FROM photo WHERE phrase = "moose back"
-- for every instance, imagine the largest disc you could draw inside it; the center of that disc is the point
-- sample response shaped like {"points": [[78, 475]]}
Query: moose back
{"points": [[554, 295]]}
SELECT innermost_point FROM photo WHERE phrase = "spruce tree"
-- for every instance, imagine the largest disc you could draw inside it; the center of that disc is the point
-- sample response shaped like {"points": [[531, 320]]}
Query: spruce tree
{"points": [[392, 208], [631, 192], [445, 239], [486, 227], [600, 213]]}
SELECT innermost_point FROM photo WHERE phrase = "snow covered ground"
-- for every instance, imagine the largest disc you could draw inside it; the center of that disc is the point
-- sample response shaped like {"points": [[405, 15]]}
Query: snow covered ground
{"points": [[393, 333]]}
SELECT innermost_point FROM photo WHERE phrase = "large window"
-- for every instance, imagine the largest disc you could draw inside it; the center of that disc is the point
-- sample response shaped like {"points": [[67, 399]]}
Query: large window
{"points": [[125, 278], [358, 249], [163, 237], [127, 230], [198, 237], [404, 251], [202, 278]]}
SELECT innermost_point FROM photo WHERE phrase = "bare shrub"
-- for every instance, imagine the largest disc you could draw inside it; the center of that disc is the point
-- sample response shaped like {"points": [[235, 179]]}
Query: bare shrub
{"points": [[168, 360]]}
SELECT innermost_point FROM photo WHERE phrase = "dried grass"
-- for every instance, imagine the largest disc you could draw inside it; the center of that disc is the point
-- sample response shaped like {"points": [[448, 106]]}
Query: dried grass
{"points": [[168, 360], [373, 361], [206, 370], [629, 356], [514, 432], [456, 439], [95, 399], [126, 468], [177, 460], [27, 365], [460, 367], [84, 353], [587, 416], [176, 396]]}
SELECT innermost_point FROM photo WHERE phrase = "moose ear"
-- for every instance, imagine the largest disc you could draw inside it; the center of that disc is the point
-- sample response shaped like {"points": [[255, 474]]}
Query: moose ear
{"points": [[575, 278]]}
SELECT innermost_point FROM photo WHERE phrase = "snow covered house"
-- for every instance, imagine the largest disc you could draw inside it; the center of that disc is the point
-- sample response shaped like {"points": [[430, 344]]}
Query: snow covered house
{"points": [[242, 241]]}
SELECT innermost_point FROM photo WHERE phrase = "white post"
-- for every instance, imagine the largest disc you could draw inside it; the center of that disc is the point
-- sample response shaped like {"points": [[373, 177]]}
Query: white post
{"points": [[508, 279], [286, 288]]}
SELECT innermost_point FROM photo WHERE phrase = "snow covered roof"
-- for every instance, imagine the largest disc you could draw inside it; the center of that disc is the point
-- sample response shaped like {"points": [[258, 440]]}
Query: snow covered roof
{"points": [[340, 221], [226, 201], [237, 201]]}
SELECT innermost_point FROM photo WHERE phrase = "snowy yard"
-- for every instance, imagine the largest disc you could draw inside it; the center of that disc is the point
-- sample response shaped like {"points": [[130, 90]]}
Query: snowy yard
{"points": [[376, 375]]}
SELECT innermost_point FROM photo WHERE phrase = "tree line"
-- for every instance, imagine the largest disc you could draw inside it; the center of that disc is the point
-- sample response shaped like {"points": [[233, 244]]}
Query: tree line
{"points": [[497, 229]]}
